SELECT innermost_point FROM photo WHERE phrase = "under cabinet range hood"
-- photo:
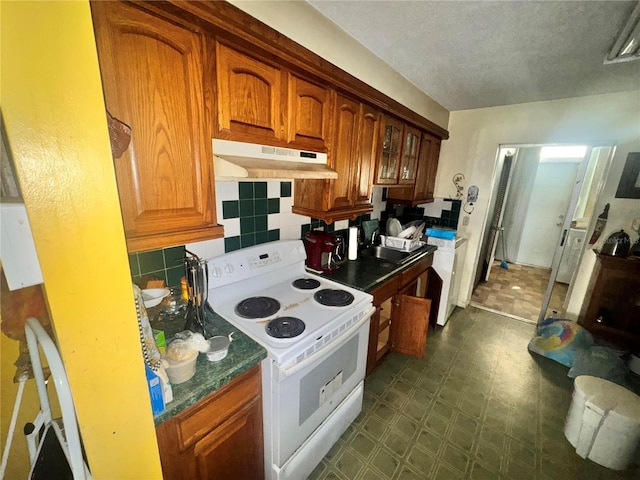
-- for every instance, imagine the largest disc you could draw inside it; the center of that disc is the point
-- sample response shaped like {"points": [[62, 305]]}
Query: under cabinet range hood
{"points": [[239, 160]]}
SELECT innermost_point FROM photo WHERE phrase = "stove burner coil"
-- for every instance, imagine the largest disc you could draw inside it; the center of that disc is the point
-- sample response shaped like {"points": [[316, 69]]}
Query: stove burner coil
{"points": [[306, 283], [257, 307], [285, 327], [333, 298]]}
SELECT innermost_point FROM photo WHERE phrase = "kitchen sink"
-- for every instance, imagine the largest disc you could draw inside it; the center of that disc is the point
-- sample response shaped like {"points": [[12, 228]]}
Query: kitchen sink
{"points": [[387, 254]]}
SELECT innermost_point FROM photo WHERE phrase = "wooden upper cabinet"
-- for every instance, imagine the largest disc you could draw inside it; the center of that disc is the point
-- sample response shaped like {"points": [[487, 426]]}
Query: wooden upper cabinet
{"points": [[409, 157], [388, 164], [153, 79], [367, 153], [309, 114], [352, 153], [249, 98], [427, 169], [343, 157], [423, 189]]}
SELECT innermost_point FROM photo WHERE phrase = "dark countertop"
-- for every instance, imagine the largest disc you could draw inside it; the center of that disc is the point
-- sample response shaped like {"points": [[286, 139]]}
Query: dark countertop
{"points": [[366, 273], [243, 354]]}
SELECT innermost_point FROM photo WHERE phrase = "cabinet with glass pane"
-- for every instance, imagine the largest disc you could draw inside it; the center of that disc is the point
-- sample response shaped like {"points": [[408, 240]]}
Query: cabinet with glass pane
{"points": [[389, 161], [398, 161], [409, 156]]}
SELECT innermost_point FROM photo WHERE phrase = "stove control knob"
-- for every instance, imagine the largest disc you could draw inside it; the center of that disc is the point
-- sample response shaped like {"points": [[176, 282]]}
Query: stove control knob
{"points": [[216, 272], [228, 268]]}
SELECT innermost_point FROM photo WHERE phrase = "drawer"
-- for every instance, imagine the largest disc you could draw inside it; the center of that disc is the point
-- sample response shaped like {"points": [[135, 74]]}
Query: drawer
{"points": [[386, 290], [414, 271], [195, 422]]}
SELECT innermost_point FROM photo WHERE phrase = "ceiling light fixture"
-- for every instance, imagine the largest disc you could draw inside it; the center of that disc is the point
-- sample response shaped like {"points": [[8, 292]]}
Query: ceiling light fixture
{"points": [[627, 45]]}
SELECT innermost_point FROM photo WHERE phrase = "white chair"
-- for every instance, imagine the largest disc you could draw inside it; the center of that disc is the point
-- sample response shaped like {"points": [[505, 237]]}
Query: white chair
{"points": [[55, 448]]}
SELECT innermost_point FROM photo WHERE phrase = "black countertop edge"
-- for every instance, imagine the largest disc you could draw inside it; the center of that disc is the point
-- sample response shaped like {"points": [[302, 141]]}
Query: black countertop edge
{"points": [[243, 354], [366, 273]]}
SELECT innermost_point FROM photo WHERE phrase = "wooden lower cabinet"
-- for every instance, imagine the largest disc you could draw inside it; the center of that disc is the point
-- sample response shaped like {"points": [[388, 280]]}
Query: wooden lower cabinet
{"points": [[218, 438], [401, 319]]}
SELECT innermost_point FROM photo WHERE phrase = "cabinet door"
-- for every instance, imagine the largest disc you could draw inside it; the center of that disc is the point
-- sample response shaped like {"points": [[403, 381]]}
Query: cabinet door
{"points": [[218, 437], [409, 157], [427, 168], [367, 153], [409, 322], [389, 160], [343, 152], [233, 450], [309, 114], [249, 97], [152, 76]]}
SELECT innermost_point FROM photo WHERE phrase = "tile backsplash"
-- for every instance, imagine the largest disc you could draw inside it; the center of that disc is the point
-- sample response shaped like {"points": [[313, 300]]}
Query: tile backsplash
{"points": [[165, 264], [443, 212], [252, 213]]}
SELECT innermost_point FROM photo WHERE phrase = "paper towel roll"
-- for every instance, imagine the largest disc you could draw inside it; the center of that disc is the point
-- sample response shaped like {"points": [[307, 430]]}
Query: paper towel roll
{"points": [[353, 243]]}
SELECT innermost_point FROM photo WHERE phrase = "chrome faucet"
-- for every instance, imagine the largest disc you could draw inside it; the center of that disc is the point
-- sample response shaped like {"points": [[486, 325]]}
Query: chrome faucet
{"points": [[375, 237]]}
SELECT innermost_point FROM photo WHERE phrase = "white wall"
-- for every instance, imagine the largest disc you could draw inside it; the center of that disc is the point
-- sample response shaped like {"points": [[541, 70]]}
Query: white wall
{"points": [[475, 136], [302, 23]]}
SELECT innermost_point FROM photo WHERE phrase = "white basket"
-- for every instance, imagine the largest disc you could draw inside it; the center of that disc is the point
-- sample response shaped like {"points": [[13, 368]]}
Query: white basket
{"points": [[404, 244]]}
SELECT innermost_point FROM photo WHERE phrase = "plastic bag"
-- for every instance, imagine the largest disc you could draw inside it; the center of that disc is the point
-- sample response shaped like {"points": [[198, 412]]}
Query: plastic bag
{"points": [[186, 345], [602, 362]]}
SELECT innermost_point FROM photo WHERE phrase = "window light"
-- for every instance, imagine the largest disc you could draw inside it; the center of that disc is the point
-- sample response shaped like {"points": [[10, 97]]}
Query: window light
{"points": [[574, 151]]}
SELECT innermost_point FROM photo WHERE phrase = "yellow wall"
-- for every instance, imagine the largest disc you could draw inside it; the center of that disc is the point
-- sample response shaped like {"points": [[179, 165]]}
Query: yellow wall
{"points": [[55, 119]]}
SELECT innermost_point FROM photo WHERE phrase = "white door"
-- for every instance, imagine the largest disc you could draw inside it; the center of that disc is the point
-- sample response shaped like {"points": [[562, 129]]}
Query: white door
{"points": [[545, 216]]}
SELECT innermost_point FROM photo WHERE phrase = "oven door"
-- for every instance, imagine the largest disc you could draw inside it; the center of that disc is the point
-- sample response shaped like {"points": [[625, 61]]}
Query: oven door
{"points": [[304, 396]]}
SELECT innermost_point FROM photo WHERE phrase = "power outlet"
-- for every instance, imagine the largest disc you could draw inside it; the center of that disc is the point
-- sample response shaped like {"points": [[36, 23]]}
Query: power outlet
{"points": [[465, 221]]}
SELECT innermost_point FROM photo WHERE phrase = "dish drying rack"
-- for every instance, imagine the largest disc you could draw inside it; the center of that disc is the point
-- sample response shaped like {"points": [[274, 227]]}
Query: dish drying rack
{"points": [[403, 244]]}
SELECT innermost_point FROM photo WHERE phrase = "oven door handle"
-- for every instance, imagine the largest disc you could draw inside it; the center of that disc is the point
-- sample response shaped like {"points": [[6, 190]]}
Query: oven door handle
{"points": [[287, 372]]}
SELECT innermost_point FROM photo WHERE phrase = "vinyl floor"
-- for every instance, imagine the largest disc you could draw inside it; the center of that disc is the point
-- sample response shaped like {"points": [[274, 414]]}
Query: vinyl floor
{"points": [[477, 406], [518, 291]]}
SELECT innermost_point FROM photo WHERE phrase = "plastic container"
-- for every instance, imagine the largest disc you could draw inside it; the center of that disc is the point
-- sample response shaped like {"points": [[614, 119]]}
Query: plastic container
{"points": [[218, 347], [179, 371], [447, 234], [603, 423]]}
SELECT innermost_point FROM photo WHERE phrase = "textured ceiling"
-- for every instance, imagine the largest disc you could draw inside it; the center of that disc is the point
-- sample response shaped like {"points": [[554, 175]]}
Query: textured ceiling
{"points": [[472, 54]]}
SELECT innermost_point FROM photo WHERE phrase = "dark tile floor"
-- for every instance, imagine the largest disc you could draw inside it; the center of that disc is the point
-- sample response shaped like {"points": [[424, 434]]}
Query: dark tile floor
{"points": [[477, 406]]}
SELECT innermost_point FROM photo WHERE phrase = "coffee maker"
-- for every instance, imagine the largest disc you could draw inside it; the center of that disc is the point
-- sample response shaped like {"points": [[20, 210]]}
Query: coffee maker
{"points": [[324, 251]]}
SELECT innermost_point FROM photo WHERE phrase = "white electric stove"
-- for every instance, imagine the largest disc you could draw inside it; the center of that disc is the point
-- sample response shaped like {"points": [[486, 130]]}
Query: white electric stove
{"points": [[316, 335]]}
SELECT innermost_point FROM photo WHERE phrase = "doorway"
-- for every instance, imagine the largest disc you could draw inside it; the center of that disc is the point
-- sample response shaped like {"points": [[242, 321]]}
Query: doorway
{"points": [[541, 208]]}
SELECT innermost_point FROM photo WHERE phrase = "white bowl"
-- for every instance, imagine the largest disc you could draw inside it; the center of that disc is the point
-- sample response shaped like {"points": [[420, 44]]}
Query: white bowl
{"points": [[153, 296]]}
